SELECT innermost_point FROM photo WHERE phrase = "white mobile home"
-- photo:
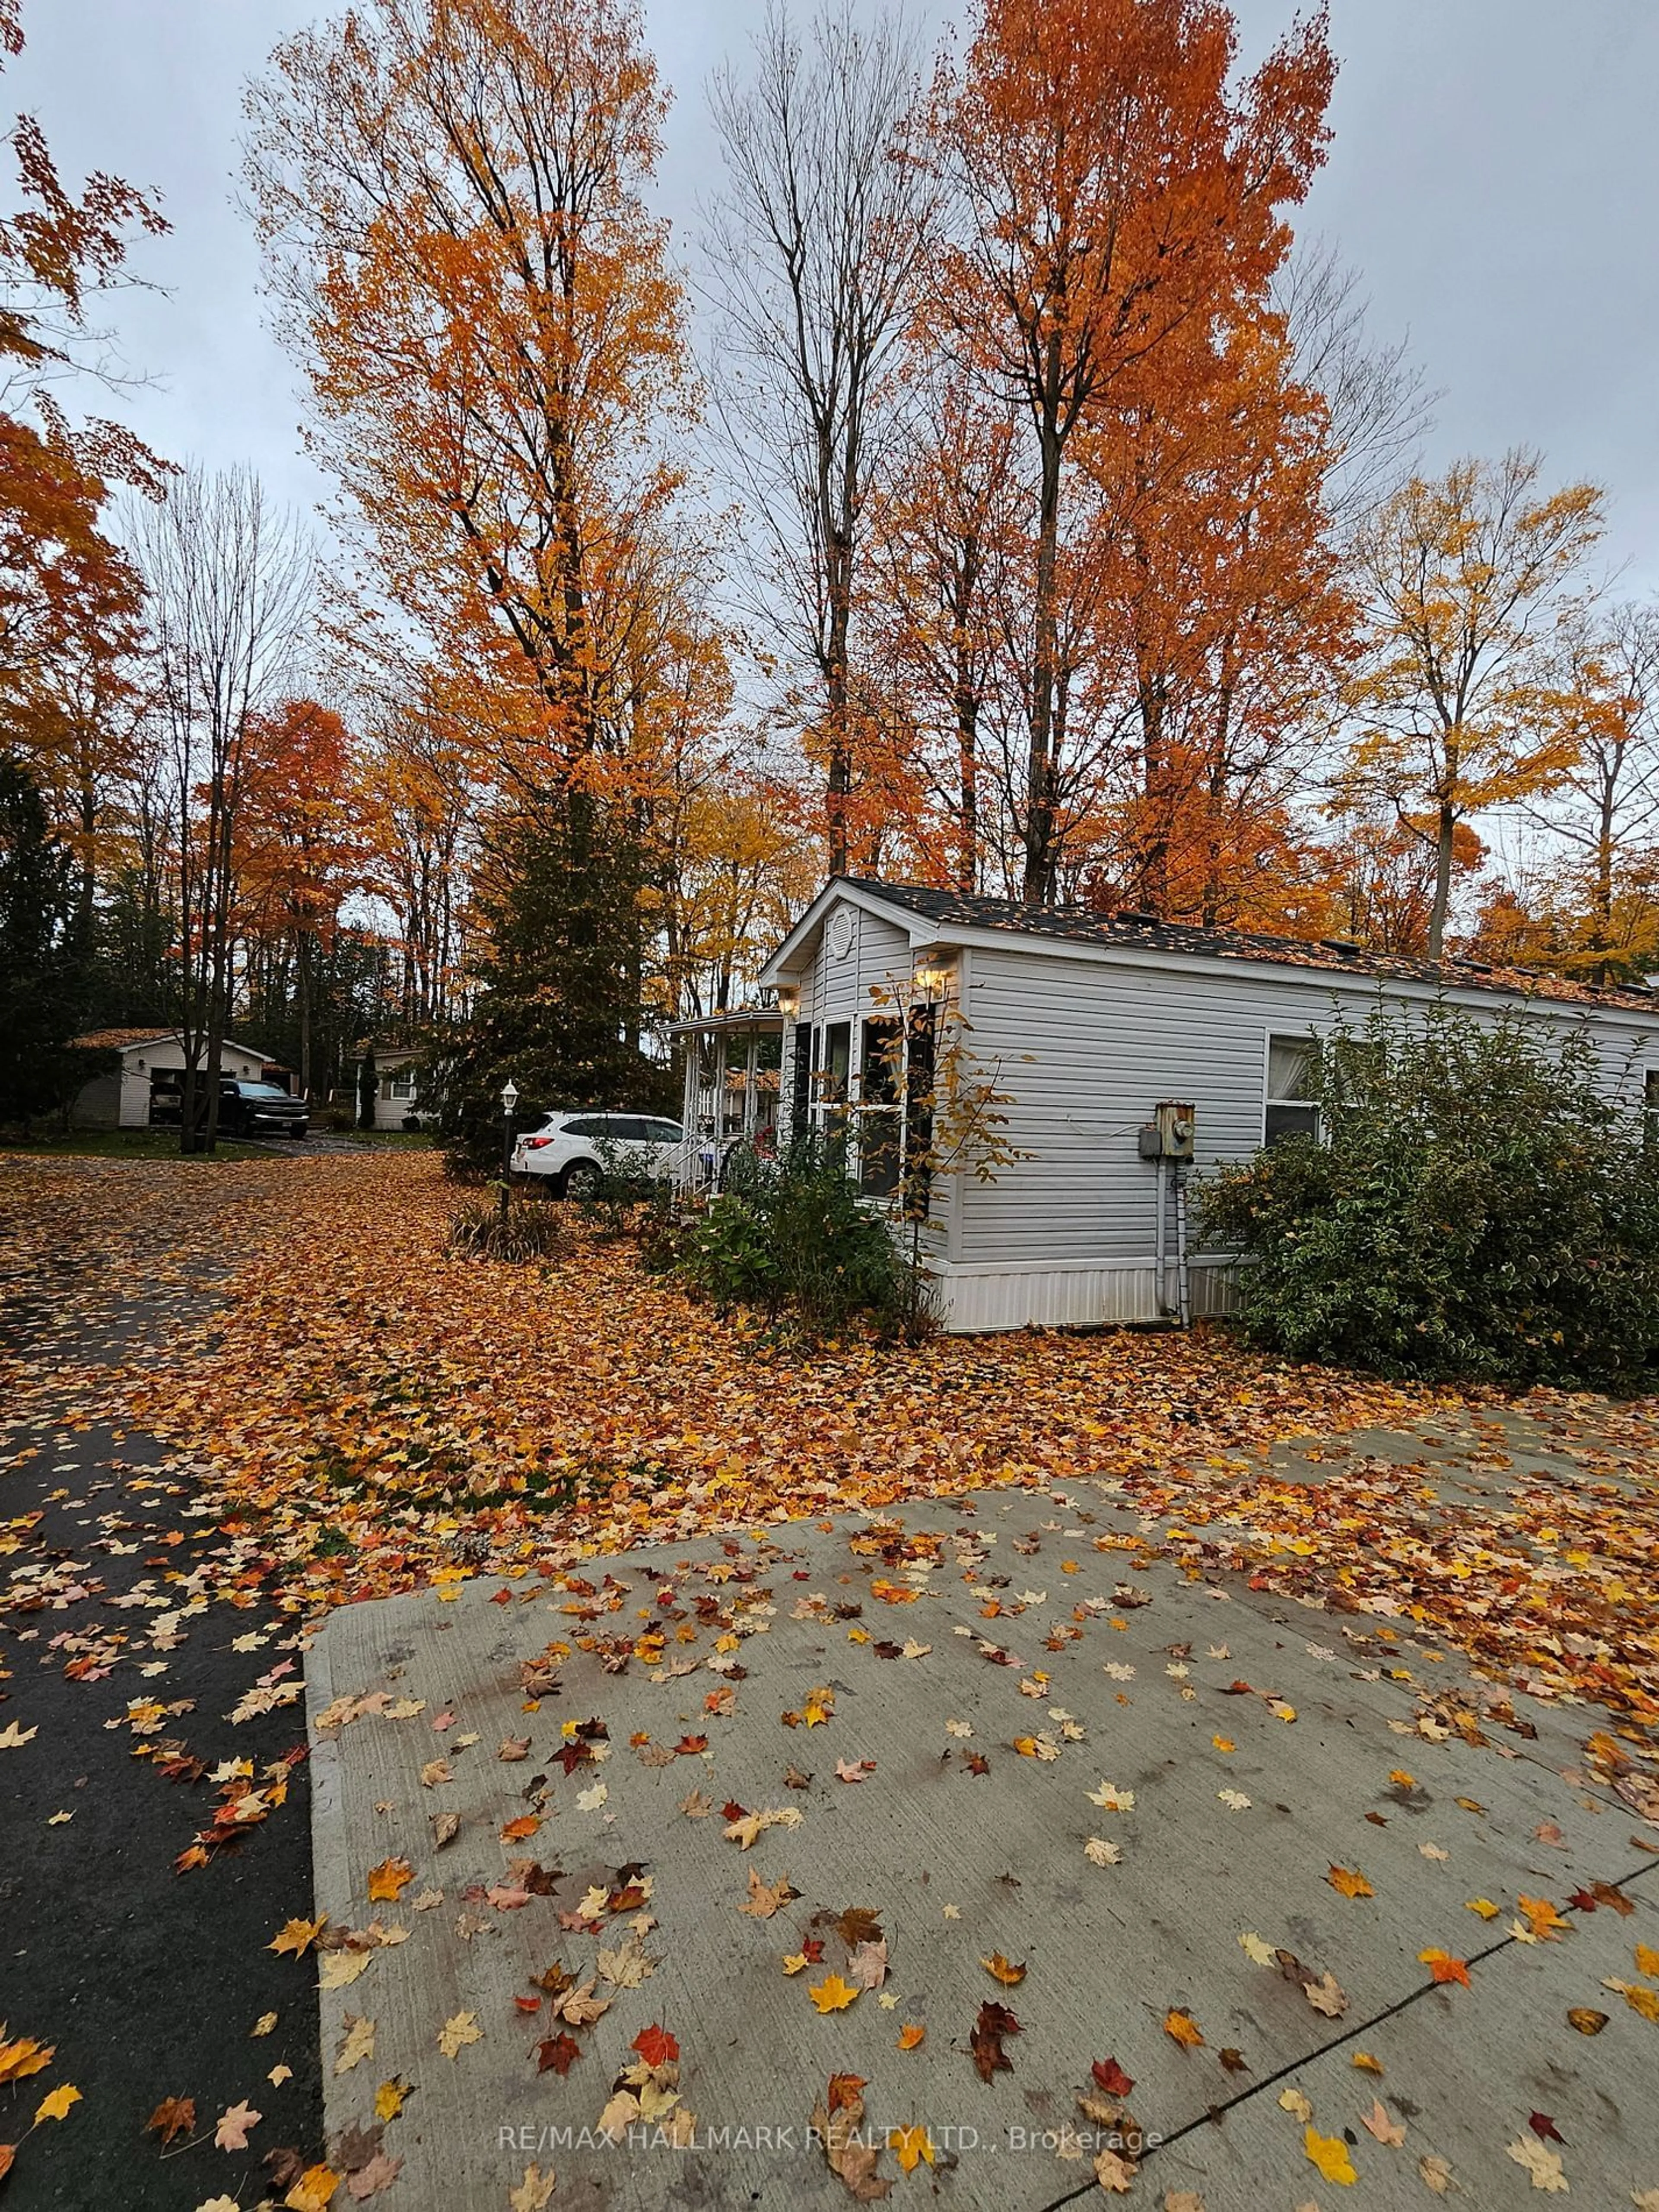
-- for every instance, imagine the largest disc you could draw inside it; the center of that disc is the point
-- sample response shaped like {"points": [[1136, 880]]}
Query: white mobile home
{"points": [[1086, 1024]]}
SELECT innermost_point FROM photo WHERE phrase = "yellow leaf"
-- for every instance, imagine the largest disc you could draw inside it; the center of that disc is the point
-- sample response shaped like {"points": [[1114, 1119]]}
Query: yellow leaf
{"points": [[1330, 2154], [1183, 2028], [298, 1935], [1259, 1954], [315, 2191], [794, 1960], [1401, 1779], [833, 1994], [910, 2036], [1350, 1882], [1482, 1906], [460, 2029], [1000, 1969], [1366, 2063], [1224, 1743], [55, 2106], [24, 2057], [389, 2099], [1541, 1916], [388, 1881], [910, 2146], [1647, 1962]]}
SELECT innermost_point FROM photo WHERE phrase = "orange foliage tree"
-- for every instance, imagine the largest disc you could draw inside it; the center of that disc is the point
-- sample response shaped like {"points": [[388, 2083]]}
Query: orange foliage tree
{"points": [[1118, 196]]}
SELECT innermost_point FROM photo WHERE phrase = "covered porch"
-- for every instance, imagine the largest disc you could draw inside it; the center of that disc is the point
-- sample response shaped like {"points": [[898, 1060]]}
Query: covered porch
{"points": [[733, 1063]]}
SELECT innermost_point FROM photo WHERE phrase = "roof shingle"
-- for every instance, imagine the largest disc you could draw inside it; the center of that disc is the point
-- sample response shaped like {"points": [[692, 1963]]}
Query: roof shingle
{"points": [[1081, 924]]}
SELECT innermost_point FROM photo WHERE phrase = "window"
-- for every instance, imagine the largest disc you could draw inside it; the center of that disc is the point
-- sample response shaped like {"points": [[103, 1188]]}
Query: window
{"points": [[403, 1086], [1290, 1110], [832, 1072], [593, 1126], [881, 1098], [665, 1132]]}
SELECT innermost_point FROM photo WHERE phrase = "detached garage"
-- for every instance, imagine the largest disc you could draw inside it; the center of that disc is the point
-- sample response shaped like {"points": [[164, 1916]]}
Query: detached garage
{"points": [[1126, 1049], [147, 1084]]}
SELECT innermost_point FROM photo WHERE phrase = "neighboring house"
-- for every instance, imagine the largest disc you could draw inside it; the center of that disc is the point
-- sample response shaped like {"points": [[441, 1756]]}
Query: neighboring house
{"points": [[1088, 1025], [148, 1085], [396, 1098]]}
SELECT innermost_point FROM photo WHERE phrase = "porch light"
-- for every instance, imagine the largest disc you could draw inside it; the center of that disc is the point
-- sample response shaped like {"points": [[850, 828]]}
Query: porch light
{"points": [[932, 982], [509, 1095], [788, 1000]]}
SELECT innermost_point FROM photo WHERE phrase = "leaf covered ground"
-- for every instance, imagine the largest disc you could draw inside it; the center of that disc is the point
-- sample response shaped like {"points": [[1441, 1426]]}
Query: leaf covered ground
{"points": [[362, 1413], [332, 1408]]}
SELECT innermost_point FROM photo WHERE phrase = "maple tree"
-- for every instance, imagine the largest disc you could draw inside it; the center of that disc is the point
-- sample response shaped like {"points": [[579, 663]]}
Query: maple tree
{"points": [[1467, 578], [1114, 190]]}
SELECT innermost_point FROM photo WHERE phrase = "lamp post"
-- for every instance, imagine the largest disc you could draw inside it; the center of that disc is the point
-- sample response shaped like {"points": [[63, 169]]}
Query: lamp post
{"points": [[509, 1100]]}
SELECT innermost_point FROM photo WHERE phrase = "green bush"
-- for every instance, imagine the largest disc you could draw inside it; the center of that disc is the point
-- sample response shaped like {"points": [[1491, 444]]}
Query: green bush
{"points": [[1477, 1207], [791, 1235], [531, 1229]]}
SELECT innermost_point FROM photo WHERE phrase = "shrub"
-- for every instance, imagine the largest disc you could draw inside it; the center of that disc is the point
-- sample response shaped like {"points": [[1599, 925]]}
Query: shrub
{"points": [[531, 1229], [790, 1235], [1477, 1206]]}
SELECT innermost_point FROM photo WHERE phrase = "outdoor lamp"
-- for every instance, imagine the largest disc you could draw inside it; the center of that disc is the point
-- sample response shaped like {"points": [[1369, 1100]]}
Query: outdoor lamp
{"points": [[509, 1100]]}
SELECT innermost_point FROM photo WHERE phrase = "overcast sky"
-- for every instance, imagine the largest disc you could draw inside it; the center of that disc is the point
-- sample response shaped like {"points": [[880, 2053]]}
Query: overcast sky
{"points": [[1495, 176]]}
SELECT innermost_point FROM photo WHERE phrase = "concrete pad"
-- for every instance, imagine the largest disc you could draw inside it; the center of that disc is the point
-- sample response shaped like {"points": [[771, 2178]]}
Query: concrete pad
{"points": [[1465, 2069], [1127, 1675]]}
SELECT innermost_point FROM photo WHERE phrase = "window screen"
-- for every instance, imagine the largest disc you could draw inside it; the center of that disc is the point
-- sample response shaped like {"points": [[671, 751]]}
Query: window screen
{"points": [[1290, 1109]]}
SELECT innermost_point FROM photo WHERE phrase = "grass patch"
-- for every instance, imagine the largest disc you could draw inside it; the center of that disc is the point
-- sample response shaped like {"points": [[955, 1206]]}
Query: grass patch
{"points": [[124, 1145]]}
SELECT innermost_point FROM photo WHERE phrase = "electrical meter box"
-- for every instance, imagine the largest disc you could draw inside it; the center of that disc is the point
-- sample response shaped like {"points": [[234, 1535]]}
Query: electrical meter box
{"points": [[1175, 1129]]}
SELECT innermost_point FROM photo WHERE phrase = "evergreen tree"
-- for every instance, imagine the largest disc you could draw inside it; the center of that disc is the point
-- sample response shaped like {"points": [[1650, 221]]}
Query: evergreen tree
{"points": [[40, 980], [559, 1001]]}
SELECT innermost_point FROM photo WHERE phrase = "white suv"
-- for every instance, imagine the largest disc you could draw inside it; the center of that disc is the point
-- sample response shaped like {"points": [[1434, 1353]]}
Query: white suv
{"points": [[577, 1149]]}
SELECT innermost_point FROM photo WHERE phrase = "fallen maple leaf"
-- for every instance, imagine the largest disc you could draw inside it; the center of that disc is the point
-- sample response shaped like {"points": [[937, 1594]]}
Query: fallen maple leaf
{"points": [[995, 2022], [910, 2036], [55, 2105], [389, 2096], [1541, 1917], [19, 2059], [833, 1994], [174, 2116], [460, 2029], [295, 1938], [1183, 2029], [1110, 2076], [1348, 1881], [1543, 2164], [910, 2146], [1377, 2122], [557, 2054], [1330, 2154], [1001, 1970], [656, 2046], [388, 1881], [1443, 1967], [533, 2194], [315, 2191], [356, 2044], [14, 1735], [764, 1901], [231, 2133]]}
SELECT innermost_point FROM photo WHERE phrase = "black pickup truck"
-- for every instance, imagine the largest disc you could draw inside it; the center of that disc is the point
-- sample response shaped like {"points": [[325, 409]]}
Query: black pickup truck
{"points": [[260, 1110]]}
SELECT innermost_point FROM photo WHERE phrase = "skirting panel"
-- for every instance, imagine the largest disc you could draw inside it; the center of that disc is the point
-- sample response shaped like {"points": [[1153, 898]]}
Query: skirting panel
{"points": [[1072, 1296]]}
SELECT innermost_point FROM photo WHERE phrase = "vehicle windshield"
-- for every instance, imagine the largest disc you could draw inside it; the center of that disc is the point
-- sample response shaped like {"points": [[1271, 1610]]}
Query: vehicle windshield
{"points": [[262, 1090]]}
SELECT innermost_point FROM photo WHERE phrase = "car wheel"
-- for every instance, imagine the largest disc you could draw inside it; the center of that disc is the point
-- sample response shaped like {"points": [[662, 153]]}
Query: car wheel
{"points": [[582, 1179]]}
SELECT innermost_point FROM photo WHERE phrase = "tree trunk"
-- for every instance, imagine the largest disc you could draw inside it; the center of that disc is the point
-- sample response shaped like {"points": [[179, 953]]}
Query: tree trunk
{"points": [[1443, 869], [1039, 793]]}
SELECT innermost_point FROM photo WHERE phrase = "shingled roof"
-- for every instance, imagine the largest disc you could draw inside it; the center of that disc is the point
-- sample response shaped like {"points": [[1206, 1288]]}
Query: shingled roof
{"points": [[952, 909]]}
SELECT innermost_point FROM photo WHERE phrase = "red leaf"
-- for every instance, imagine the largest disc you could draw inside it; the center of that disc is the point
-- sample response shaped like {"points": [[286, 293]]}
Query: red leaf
{"points": [[1542, 2125], [557, 2055], [1111, 2077], [656, 2046]]}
